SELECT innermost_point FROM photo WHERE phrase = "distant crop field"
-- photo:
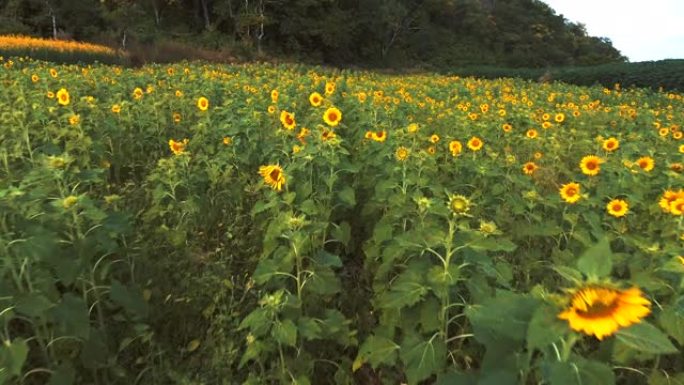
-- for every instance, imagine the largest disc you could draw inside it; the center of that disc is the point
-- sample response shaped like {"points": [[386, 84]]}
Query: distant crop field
{"points": [[262, 224]]}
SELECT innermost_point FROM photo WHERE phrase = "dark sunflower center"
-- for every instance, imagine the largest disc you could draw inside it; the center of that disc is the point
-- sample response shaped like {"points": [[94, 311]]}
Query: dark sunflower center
{"points": [[599, 310], [332, 116], [275, 174], [591, 165], [617, 207], [571, 191]]}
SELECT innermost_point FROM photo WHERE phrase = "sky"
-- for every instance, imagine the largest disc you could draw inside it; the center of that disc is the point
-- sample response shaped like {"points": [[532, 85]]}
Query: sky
{"points": [[641, 30]]}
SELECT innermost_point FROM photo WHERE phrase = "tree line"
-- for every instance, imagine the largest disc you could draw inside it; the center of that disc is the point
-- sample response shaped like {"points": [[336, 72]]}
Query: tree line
{"points": [[394, 33]]}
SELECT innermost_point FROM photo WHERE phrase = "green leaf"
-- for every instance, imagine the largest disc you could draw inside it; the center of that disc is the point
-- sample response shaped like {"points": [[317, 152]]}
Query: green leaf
{"points": [[493, 244], [407, 289], [72, 316], [64, 375], [580, 373], [309, 328], [597, 261], [342, 233], [456, 378], [422, 358], [377, 350], [673, 323], [33, 304], [544, 328], [95, 352], [347, 196], [323, 282], [646, 338], [328, 259], [130, 298], [285, 332], [505, 316], [429, 315], [13, 356]]}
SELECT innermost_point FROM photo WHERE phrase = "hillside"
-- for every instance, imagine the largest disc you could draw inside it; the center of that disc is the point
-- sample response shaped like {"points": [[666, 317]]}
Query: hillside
{"points": [[387, 33]]}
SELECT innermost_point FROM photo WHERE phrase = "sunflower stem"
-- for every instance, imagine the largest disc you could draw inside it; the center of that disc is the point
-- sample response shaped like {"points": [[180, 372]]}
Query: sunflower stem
{"points": [[568, 344]]}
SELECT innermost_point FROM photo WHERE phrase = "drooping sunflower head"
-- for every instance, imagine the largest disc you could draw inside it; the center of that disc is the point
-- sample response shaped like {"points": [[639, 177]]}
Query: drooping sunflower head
{"points": [[617, 208], [273, 176], [203, 103], [591, 165], [475, 143], [327, 135], [611, 144], [601, 311], [459, 204], [332, 116], [570, 192], [178, 148], [329, 88], [315, 99]]}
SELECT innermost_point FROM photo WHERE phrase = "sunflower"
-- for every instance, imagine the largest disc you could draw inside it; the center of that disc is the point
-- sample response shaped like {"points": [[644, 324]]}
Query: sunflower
{"points": [[227, 140], [591, 165], [668, 197], [538, 155], [531, 133], [529, 168], [677, 207], [303, 133], [328, 135], [329, 88], [646, 163], [506, 127], [138, 93], [611, 144], [332, 116], [273, 176], [601, 311], [677, 135], [402, 153], [179, 93], [681, 149], [664, 131], [315, 99], [617, 208], [379, 136], [288, 120], [274, 96], [677, 167], [116, 109], [35, 78], [271, 109], [176, 117], [559, 118], [178, 148], [434, 138], [459, 204], [203, 103], [546, 125], [432, 150], [368, 135], [570, 192], [63, 97], [74, 119], [455, 147], [413, 127], [53, 72], [475, 143]]}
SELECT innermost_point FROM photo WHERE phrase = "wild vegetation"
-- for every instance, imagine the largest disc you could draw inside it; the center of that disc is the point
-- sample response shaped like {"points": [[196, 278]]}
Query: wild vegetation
{"points": [[435, 34], [285, 224]]}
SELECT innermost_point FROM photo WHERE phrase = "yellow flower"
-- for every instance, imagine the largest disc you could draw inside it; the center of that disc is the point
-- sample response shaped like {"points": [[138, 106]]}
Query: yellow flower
{"points": [[53, 72], [274, 96], [455, 147], [203, 103], [668, 197], [63, 97], [617, 208], [179, 93], [591, 165], [74, 119], [646, 163], [459, 204], [227, 140], [332, 116], [315, 99], [116, 109], [296, 149], [432, 150], [50, 95], [677, 207], [271, 109], [69, 201], [538, 155], [412, 128], [329, 88], [176, 117], [288, 120], [402, 153], [475, 143], [273, 176], [601, 311], [506, 127], [570, 192], [531, 133], [611, 144], [137, 93], [559, 118], [681, 149], [434, 138], [529, 168], [178, 148], [379, 136], [35, 78], [327, 135]]}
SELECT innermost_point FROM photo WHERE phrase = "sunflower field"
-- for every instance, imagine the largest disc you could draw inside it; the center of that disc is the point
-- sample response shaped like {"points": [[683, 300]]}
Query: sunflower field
{"points": [[284, 224]]}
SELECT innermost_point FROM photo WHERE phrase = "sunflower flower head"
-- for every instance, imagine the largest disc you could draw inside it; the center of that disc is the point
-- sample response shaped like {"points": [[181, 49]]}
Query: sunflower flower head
{"points": [[601, 311], [332, 116], [570, 192], [178, 148], [591, 165], [459, 205], [617, 208], [273, 176], [402, 153], [475, 143], [611, 144]]}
